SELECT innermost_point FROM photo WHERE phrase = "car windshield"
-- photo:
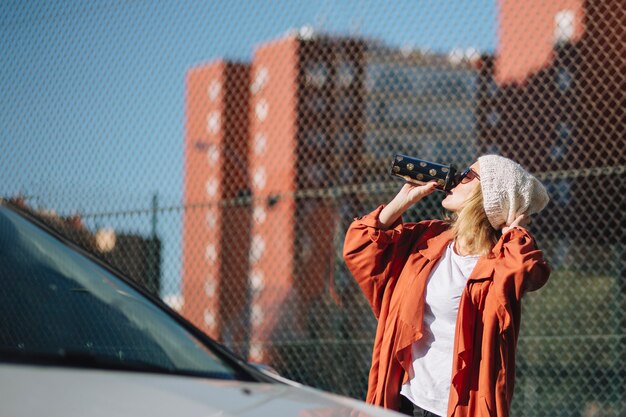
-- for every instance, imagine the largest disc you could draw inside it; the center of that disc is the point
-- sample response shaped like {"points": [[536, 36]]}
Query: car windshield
{"points": [[57, 303]]}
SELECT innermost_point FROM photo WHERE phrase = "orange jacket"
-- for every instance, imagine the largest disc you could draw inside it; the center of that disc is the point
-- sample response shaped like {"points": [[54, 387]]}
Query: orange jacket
{"points": [[392, 267]]}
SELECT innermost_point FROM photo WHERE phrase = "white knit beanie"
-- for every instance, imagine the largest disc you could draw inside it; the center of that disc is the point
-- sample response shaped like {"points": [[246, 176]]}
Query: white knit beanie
{"points": [[509, 190]]}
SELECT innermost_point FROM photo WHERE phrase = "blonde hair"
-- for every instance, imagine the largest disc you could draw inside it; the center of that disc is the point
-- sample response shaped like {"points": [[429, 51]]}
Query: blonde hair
{"points": [[470, 226]]}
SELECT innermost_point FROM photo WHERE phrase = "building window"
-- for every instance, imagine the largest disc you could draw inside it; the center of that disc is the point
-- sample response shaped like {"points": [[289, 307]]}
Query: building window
{"points": [[210, 286], [316, 174], [563, 26], [209, 318], [560, 191], [257, 247], [434, 149], [260, 143], [211, 219], [345, 105], [345, 74], [259, 178], [316, 74], [492, 88], [316, 138], [261, 109], [213, 122], [257, 280], [345, 141], [564, 131], [564, 79], [563, 141], [372, 77], [492, 149], [214, 90], [346, 174], [260, 79], [314, 103], [210, 253], [493, 117], [211, 187], [213, 154], [259, 214]]}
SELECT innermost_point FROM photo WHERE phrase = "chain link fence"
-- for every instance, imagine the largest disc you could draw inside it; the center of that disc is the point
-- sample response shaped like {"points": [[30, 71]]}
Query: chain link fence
{"points": [[224, 181]]}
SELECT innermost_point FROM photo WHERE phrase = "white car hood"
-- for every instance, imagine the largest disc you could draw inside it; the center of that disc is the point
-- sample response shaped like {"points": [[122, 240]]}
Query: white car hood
{"points": [[50, 391]]}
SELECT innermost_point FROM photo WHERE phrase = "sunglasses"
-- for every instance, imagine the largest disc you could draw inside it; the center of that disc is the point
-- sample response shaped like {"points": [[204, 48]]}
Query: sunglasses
{"points": [[468, 175]]}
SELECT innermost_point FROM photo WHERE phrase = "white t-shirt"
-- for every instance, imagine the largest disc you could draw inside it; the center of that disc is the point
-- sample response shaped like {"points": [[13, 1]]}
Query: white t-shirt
{"points": [[430, 376]]}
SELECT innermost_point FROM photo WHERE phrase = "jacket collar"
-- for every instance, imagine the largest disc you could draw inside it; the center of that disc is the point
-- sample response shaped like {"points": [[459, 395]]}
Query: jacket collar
{"points": [[433, 249], [435, 246]]}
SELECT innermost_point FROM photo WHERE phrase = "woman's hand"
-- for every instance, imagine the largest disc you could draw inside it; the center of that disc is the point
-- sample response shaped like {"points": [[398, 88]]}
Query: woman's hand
{"points": [[408, 195], [411, 193], [520, 221]]}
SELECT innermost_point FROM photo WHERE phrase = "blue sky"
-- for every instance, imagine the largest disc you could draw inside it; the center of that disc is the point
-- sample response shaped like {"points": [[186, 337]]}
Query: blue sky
{"points": [[92, 110]]}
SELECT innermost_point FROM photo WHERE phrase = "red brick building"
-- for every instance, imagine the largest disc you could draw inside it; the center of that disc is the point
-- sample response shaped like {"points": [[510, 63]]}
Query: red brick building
{"points": [[216, 221], [305, 136], [264, 144], [552, 99]]}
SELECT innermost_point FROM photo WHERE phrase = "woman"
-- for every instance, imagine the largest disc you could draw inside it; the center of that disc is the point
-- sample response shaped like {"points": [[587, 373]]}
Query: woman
{"points": [[447, 293]]}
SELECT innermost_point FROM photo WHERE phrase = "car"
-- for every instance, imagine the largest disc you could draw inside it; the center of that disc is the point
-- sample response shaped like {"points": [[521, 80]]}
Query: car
{"points": [[79, 339]]}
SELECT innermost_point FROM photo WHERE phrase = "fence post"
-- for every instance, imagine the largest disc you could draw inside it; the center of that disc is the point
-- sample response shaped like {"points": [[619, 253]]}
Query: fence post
{"points": [[154, 279]]}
